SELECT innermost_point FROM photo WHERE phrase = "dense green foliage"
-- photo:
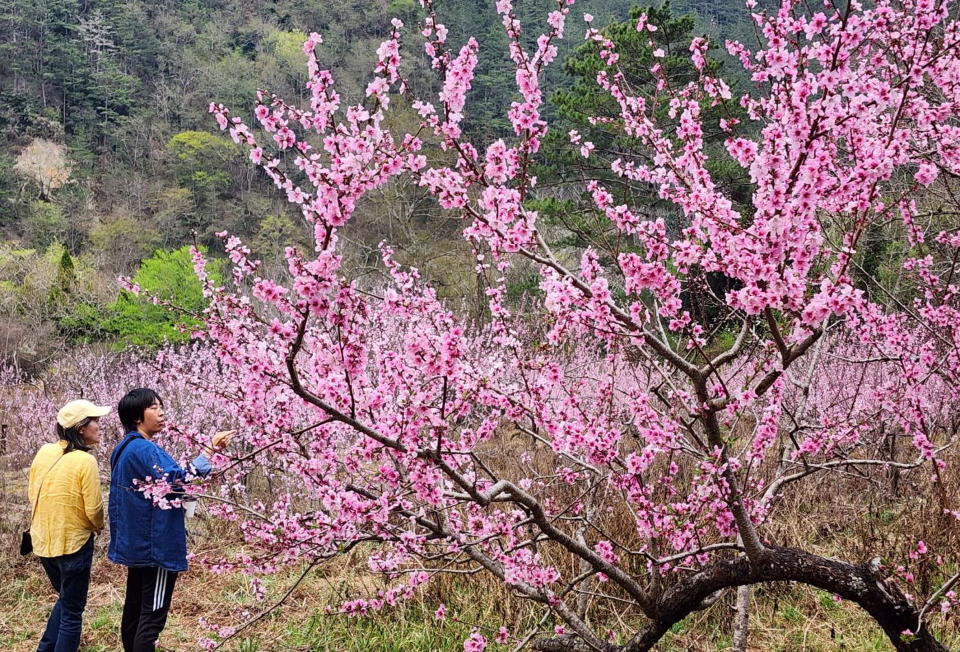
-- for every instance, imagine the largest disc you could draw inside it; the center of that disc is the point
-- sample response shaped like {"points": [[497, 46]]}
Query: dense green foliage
{"points": [[135, 319], [168, 276]]}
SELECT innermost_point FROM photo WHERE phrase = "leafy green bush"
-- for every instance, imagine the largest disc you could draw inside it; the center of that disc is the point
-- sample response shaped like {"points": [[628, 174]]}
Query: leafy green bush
{"points": [[168, 276], [136, 320]]}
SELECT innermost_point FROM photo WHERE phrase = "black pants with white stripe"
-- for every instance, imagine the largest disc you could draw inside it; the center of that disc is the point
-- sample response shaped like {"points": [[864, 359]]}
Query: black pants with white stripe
{"points": [[145, 607]]}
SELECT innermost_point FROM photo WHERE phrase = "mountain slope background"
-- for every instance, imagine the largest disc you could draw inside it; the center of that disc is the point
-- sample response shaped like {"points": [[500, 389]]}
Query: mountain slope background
{"points": [[108, 154]]}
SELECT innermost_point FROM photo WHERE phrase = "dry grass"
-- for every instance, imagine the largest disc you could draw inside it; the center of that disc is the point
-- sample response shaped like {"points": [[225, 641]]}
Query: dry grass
{"points": [[301, 624]]}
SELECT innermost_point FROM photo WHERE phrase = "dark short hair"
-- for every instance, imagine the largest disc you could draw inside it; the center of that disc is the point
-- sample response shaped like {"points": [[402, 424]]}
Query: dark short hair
{"points": [[133, 405], [73, 437]]}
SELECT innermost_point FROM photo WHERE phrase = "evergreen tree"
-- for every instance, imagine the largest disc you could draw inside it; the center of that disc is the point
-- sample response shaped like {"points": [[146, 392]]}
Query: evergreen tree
{"points": [[583, 107]]}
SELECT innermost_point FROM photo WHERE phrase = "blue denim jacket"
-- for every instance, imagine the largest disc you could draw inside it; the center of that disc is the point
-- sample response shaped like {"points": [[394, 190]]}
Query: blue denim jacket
{"points": [[142, 534]]}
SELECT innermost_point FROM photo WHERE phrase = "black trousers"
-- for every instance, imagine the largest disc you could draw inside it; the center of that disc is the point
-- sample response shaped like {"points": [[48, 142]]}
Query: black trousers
{"points": [[145, 607]]}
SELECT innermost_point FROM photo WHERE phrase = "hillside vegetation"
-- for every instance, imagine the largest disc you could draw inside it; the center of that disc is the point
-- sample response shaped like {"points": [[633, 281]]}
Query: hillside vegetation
{"points": [[108, 153]]}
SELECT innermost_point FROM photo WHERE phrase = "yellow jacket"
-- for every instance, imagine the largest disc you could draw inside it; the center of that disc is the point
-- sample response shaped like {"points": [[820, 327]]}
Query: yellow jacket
{"points": [[70, 505]]}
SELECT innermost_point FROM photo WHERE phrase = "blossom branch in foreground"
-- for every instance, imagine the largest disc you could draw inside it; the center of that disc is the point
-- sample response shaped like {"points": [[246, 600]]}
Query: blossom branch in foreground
{"points": [[637, 411]]}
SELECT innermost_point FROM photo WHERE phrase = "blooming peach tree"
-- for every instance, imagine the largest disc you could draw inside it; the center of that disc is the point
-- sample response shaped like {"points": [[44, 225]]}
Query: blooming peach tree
{"points": [[618, 452]]}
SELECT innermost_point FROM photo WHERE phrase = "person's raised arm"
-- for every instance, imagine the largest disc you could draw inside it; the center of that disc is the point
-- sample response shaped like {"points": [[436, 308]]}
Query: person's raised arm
{"points": [[217, 443], [167, 467]]}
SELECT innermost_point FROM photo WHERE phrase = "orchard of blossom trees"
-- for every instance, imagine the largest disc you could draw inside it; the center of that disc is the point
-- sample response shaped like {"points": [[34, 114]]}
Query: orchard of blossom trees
{"points": [[183, 376], [658, 440]]}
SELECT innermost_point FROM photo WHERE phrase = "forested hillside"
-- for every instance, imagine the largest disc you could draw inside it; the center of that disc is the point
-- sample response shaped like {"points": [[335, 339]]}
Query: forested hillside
{"points": [[108, 153]]}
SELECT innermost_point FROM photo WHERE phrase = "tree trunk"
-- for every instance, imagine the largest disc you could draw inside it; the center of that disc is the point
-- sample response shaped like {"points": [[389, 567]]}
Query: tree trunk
{"points": [[858, 583], [741, 622]]}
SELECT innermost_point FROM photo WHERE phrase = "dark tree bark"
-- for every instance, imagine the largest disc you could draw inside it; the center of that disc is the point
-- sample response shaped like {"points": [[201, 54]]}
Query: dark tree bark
{"points": [[860, 584]]}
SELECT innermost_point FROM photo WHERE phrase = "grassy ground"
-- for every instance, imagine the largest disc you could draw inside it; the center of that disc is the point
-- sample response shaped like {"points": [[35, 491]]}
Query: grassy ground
{"points": [[783, 617], [25, 599]]}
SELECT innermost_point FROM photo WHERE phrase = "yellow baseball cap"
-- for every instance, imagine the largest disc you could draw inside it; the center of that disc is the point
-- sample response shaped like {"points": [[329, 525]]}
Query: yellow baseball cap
{"points": [[76, 411]]}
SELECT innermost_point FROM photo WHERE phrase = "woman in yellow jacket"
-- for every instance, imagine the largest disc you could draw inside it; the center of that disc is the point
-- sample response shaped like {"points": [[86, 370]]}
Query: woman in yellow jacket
{"points": [[67, 510]]}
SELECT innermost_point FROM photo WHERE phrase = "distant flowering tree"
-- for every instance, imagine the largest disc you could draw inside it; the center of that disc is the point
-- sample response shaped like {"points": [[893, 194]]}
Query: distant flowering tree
{"points": [[45, 163], [391, 416]]}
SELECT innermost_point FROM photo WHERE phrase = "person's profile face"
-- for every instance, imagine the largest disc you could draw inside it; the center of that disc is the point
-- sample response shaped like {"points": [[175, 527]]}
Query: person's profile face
{"points": [[91, 432], [152, 421]]}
